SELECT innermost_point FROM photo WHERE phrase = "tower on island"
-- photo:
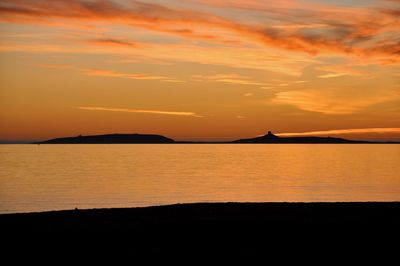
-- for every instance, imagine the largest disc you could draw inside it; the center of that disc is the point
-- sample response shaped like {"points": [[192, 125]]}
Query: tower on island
{"points": [[271, 136]]}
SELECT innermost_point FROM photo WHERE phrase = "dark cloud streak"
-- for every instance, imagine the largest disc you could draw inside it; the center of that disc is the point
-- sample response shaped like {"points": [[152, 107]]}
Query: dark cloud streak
{"points": [[352, 31]]}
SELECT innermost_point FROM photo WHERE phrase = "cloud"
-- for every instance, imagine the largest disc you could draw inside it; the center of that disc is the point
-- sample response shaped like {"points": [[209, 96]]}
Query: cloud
{"points": [[251, 58], [140, 59], [135, 13], [280, 83], [332, 101], [228, 78], [245, 58], [248, 94], [338, 71], [342, 132], [140, 76], [158, 112], [110, 73], [323, 29], [117, 74], [320, 28], [114, 42], [332, 75]]}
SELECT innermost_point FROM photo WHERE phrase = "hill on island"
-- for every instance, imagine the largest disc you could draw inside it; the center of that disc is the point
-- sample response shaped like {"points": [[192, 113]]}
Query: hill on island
{"points": [[271, 138], [151, 138], [110, 139]]}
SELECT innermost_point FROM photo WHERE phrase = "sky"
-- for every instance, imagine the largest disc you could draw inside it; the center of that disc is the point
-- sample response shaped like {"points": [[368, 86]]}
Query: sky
{"points": [[200, 69]]}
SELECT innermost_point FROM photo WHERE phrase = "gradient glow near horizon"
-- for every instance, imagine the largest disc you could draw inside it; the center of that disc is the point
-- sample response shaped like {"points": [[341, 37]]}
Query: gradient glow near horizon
{"points": [[199, 69]]}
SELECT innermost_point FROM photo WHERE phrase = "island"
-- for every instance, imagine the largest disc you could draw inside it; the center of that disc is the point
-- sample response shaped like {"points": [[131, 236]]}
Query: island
{"points": [[268, 138], [272, 138], [110, 139]]}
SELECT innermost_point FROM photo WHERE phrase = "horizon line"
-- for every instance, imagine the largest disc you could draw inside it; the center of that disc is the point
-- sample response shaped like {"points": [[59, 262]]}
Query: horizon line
{"points": [[283, 134]]}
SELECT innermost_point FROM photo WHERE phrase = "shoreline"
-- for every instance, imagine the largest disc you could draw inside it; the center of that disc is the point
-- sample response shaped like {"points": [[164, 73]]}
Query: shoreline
{"points": [[201, 143], [206, 214], [207, 230], [204, 204]]}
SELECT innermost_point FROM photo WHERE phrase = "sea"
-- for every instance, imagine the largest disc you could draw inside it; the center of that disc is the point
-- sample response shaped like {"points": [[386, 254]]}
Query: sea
{"points": [[36, 178]]}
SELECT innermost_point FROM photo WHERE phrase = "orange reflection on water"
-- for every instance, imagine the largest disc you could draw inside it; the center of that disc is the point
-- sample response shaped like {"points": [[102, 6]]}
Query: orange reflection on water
{"points": [[49, 177]]}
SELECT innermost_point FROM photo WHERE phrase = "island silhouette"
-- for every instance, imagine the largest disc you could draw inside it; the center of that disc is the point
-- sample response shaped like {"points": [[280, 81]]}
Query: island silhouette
{"points": [[153, 138], [271, 138], [110, 139]]}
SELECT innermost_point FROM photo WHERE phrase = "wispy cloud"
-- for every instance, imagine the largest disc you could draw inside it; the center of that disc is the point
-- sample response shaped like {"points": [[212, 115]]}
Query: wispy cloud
{"points": [[158, 112], [115, 42], [342, 132], [229, 78], [340, 29], [331, 75], [169, 54], [110, 73], [333, 100], [339, 71], [117, 74], [320, 28]]}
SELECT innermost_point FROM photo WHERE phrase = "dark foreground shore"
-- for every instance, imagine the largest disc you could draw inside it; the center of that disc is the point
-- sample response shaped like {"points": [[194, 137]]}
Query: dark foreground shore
{"points": [[221, 226], [198, 215]]}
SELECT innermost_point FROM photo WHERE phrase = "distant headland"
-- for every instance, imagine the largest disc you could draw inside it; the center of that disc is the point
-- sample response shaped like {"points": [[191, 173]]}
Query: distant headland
{"points": [[152, 138], [271, 138], [110, 139]]}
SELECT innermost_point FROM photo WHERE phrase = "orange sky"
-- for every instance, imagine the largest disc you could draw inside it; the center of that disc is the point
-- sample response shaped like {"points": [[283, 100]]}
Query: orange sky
{"points": [[199, 69]]}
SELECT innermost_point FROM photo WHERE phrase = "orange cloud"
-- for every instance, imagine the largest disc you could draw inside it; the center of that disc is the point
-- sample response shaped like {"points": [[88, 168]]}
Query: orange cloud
{"points": [[342, 131], [365, 32], [116, 74], [110, 73], [289, 65], [158, 112], [338, 71], [229, 78], [332, 75], [333, 101], [341, 29], [114, 42]]}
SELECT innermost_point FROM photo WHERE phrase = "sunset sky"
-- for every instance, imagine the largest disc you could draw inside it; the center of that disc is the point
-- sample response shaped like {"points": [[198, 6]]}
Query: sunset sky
{"points": [[199, 69]]}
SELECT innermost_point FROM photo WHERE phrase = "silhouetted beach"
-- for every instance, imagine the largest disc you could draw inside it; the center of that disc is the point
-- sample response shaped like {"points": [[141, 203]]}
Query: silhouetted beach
{"points": [[243, 216], [208, 230]]}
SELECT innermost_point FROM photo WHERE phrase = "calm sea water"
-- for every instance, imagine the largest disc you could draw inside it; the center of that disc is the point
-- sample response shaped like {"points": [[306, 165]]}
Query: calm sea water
{"points": [[54, 177]]}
